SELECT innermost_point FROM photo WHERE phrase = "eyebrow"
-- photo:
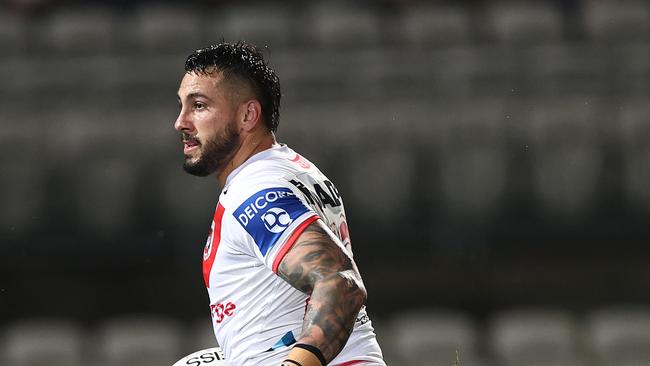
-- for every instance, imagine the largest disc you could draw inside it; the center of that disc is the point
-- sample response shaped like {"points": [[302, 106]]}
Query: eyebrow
{"points": [[194, 96]]}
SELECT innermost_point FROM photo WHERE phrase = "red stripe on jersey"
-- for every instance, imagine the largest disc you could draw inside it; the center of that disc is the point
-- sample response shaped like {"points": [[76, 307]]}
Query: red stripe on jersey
{"points": [[350, 363], [292, 239], [216, 238]]}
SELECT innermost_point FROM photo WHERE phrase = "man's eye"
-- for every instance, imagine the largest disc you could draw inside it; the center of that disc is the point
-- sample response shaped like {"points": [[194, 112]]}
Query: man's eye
{"points": [[199, 105]]}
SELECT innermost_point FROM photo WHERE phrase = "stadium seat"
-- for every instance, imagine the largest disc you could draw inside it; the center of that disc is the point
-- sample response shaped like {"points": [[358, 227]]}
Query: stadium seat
{"points": [[634, 123], [535, 337], [472, 158], [139, 341], [80, 30], [637, 176], [456, 71], [98, 138], [436, 337], [265, 25], [339, 24], [66, 75], [106, 194], [163, 28], [631, 71], [13, 32], [186, 201], [612, 20], [495, 70], [567, 163], [524, 22], [426, 73], [451, 72], [150, 75], [304, 126], [473, 181], [22, 191], [434, 25], [620, 335], [420, 122], [468, 123], [403, 73], [13, 71], [565, 180], [22, 178], [567, 69], [314, 75], [38, 342], [391, 169]]}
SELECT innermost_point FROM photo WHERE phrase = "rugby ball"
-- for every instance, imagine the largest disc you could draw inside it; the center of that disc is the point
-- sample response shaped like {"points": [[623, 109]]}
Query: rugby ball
{"points": [[205, 357]]}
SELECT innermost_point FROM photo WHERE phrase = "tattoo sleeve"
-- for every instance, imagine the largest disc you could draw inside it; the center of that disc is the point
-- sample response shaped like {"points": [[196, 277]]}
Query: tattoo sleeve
{"points": [[320, 266]]}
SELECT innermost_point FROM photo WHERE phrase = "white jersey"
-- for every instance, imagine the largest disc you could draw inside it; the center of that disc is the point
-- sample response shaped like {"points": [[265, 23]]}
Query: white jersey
{"points": [[265, 205]]}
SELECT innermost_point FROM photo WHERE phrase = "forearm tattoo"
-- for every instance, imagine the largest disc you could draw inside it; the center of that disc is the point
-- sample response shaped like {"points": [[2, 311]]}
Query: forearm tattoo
{"points": [[318, 265]]}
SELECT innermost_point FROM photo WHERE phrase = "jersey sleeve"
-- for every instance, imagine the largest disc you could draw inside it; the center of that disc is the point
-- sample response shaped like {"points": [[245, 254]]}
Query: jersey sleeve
{"points": [[273, 216]]}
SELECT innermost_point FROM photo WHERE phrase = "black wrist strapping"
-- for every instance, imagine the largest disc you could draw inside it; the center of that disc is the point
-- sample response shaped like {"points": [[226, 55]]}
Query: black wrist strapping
{"points": [[292, 361], [313, 350]]}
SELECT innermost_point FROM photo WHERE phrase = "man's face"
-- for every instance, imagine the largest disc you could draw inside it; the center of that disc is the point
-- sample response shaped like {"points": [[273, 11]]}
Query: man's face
{"points": [[207, 123]]}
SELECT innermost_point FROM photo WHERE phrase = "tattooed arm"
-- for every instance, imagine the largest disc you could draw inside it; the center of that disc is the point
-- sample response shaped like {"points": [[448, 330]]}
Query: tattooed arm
{"points": [[318, 265]]}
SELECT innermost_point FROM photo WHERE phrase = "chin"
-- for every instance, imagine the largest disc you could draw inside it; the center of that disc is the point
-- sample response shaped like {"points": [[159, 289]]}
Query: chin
{"points": [[191, 160], [198, 167]]}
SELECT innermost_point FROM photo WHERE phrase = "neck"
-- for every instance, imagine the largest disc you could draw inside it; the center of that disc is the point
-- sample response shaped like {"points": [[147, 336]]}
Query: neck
{"points": [[250, 145]]}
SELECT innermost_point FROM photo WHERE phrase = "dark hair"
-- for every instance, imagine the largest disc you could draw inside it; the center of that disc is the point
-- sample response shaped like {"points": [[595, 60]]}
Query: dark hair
{"points": [[242, 60]]}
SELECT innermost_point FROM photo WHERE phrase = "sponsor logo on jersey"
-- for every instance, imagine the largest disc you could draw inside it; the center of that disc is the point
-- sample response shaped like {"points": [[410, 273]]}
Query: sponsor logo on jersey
{"points": [[220, 311], [212, 245], [207, 356], [208, 244], [320, 194], [268, 213], [276, 220], [302, 162]]}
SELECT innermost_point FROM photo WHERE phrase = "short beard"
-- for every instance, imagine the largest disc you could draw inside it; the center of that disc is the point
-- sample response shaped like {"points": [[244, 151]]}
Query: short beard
{"points": [[215, 153]]}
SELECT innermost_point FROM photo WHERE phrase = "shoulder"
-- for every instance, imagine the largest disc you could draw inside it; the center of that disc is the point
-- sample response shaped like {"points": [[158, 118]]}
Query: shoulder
{"points": [[257, 177], [275, 168], [262, 184], [266, 205]]}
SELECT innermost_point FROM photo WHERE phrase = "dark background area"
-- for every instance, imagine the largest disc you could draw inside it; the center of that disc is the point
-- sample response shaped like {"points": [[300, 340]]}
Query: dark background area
{"points": [[491, 155]]}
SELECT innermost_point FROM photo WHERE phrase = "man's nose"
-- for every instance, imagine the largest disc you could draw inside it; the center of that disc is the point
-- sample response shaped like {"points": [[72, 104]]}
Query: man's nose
{"points": [[182, 123]]}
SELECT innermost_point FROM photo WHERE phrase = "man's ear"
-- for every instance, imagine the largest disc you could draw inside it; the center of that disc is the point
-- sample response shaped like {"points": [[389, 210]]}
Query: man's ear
{"points": [[250, 114]]}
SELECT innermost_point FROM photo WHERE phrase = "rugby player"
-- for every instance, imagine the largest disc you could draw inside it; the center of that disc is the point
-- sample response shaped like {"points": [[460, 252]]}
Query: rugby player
{"points": [[283, 286]]}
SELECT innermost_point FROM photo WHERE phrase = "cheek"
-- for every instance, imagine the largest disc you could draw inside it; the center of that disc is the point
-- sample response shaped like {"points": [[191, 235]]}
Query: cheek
{"points": [[207, 126]]}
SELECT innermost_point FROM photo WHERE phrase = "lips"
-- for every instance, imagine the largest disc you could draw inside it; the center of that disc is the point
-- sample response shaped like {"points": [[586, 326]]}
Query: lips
{"points": [[189, 144]]}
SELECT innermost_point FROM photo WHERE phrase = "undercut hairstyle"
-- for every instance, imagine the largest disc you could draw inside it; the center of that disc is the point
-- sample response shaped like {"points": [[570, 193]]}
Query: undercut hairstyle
{"points": [[243, 61]]}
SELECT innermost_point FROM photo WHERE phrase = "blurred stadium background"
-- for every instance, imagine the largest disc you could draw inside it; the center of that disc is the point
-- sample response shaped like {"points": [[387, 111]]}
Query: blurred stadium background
{"points": [[494, 157]]}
